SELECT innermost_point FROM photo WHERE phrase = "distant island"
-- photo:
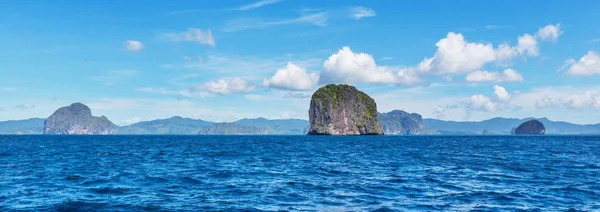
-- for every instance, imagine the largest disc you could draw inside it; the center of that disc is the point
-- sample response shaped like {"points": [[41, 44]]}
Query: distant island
{"points": [[531, 127], [77, 119], [362, 117]]}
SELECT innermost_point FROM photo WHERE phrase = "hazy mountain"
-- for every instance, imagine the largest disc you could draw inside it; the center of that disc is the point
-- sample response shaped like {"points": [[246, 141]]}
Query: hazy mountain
{"points": [[233, 129], [504, 126], [277, 126], [77, 119], [393, 122], [27, 126], [398, 122], [175, 125]]}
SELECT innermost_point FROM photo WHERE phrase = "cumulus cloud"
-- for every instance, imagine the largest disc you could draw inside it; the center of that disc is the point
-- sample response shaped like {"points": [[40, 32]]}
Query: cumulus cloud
{"points": [[509, 75], [545, 102], [193, 35], [456, 55], [346, 66], [527, 44], [587, 99], [481, 103], [362, 12], [133, 45], [292, 77], [550, 32], [588, 65], [227, 86], [501, 93]]}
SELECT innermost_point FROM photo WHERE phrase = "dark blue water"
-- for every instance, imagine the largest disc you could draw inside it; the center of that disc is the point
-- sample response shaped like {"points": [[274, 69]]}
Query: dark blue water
{"points": [[269, 173]]}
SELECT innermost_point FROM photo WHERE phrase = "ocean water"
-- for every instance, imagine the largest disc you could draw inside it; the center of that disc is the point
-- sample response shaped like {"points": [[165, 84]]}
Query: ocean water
{"points": [[299, 173]]}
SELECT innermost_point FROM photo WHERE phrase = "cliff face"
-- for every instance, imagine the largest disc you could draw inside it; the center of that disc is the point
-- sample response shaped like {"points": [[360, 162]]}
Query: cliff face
{"points": [[77, 119], [233, 129], [343, 110], [398, 122], [532, 127]]}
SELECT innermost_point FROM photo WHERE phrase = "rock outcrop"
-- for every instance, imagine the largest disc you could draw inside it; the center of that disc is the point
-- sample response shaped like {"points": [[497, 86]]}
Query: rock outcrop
{"points": [[233, 129], [77, 119], [398, 122], [343, 110], [531, 127]]}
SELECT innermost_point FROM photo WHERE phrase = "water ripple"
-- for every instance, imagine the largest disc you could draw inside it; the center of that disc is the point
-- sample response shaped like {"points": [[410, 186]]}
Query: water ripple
{"points": [[299, 173]]}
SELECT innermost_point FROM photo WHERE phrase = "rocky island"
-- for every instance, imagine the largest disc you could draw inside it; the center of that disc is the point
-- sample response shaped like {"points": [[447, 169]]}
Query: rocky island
{"points": [[77, 119], [398, 122], [343, 110], [531, 127]]}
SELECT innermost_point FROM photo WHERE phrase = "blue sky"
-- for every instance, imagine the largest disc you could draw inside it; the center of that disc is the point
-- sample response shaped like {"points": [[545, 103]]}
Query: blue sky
{"points": [[225, 60]]}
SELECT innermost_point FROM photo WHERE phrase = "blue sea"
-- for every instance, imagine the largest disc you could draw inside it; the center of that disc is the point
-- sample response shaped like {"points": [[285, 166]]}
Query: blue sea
{"points": [[299, 173]]}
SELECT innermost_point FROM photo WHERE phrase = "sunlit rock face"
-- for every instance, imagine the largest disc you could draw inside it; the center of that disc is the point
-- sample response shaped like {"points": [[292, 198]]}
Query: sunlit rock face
{"points": [[343, 110]]}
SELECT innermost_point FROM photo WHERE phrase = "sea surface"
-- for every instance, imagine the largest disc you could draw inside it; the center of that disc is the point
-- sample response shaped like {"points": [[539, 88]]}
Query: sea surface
{"points": [[299, 173]]}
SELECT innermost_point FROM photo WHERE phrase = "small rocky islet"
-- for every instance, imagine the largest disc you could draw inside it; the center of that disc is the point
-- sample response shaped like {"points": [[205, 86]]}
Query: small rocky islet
{"points": [[531, 127], [343, 110]]}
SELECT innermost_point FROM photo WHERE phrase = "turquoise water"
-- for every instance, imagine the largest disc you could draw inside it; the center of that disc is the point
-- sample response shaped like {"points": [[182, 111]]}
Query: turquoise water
{"points": [[273, 173]]}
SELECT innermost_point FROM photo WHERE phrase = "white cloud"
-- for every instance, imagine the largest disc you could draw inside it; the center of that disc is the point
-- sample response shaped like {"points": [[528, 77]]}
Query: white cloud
{"points": [[455, 55], [292, 77], [558, 98], [362, 12], [509, 75], [133, 45], [587, 99], [550, 32], [317, 19], [227, 86], [194, 35], [480, 102], [501, 93], [545, 102], [348, 67], [588, 65], [257, 4], [528, 44]]}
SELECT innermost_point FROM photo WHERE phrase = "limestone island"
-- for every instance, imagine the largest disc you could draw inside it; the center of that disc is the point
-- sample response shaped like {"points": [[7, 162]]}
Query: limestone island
{"points": [[343, 110], [77, 119], [531, 127]]}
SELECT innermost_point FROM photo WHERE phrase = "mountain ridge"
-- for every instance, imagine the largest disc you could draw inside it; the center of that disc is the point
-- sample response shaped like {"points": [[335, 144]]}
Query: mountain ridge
{"points": [[492, 126]]}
